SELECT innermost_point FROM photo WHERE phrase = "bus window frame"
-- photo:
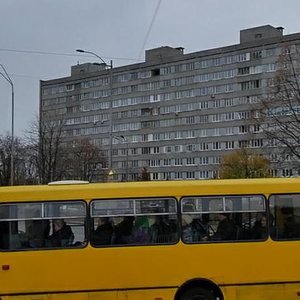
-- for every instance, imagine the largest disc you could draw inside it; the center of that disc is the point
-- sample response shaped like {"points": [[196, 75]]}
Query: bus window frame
{"points": [[92, 217], [85, 218], [266, 211], [223, 211], [277, 240]]}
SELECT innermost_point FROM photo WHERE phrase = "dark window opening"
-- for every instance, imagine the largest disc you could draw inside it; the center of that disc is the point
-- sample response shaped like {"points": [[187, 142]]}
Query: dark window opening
{"points": [[155, 72]]}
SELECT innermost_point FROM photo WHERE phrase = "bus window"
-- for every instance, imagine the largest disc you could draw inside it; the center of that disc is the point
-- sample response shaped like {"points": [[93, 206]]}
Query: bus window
{"points": [[285, 212], [222, 218], [42, 225], [133, 221]]}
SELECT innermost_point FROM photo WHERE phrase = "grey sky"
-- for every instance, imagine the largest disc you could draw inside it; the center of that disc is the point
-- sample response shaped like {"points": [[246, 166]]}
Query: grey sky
{"points": [[113, 29]]}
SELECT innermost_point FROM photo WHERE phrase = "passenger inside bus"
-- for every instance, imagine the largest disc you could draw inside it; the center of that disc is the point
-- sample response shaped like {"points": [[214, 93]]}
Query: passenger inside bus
{"points": [[62, 235], [291, 225], [160, 230], [226, 230], [260, 228], [103, 233], [122, 230], [189, 232], [4, 235], [140, 231], [193, 229], [38, 233]]}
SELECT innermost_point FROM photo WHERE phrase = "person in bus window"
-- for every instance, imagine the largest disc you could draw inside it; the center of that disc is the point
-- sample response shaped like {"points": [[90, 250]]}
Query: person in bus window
{"points": [[62, 235], [103, 233], [122, 230], [38, 233], [160, 231], [291, 226], [226, 230], [4, 235], [193, 229], [260, 230], [140, 231], [188, 233]]}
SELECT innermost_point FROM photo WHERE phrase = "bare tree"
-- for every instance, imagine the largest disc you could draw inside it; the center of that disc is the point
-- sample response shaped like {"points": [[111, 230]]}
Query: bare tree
{"points": [[21, 175], [280, 109], [5, 160], [145, 175], [45, 143], [85, 161]]}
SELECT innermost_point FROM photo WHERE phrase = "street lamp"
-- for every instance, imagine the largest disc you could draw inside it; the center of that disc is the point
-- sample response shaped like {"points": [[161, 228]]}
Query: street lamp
{"points": [[110, 103], [123, 139], [8, 79]]}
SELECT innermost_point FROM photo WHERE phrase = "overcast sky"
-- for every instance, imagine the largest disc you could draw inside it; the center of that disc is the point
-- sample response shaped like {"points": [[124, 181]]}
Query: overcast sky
{"points": [[38, 38]]}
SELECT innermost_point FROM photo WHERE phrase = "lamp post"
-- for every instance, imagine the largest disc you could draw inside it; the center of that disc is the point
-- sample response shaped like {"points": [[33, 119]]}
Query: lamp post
{"points": [[8, 79], [123, 139], [110, 103]]}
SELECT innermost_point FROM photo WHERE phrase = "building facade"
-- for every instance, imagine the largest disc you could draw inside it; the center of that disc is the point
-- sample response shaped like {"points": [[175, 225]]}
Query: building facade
{"points": [[175, 114]]}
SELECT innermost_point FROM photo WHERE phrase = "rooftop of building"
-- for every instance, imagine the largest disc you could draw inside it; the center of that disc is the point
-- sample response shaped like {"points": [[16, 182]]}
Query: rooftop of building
{"points": [[249, 38]]}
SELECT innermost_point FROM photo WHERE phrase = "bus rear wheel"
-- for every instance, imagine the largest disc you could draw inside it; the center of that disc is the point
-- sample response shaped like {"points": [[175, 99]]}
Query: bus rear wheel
{"points": [[198, 293]]}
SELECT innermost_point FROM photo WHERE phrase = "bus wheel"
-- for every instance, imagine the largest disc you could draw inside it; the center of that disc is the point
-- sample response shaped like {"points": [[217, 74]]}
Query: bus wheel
{"points": [[198, 293]]}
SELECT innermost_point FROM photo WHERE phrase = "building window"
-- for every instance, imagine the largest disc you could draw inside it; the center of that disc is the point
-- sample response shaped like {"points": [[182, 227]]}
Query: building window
{"points": [[135, 163], [252, 84], [216, 145], [243, 57], [70, 87], [168, 162], [190, 120], [216, 61], [243, 71], [190, 175], [154, 163], [203, 160], [256, 54], [155, 150], [168, 149], [178, 175], [146, 150], [155, 176], [178, 148], [203, 146], [203, 174], [155, 72], [270, 52], [229, 145], [244, 144], [178, 162], [190, 161], [244, 128], [190, 148]]}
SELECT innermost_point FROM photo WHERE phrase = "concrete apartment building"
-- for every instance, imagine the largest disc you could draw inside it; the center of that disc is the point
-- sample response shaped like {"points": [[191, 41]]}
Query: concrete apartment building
{"points": [[175, 114]]}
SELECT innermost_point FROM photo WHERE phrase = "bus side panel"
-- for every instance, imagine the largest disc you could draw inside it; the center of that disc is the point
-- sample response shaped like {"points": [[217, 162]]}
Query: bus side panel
{"points": [[166, 294], [262, 292], [101, 295], [66, 296], [71, 296], [27, 297]]}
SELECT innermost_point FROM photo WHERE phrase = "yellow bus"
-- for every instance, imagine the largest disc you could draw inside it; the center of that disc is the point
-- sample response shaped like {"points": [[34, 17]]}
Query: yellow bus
{"points": [[171, 240]]}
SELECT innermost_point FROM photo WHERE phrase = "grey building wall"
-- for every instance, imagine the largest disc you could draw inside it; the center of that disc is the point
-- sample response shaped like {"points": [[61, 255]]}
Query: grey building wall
{"points": [[178, 113]]}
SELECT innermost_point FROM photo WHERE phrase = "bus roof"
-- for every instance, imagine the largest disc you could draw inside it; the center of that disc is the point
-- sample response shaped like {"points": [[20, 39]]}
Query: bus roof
{"points": [[150, 189]]}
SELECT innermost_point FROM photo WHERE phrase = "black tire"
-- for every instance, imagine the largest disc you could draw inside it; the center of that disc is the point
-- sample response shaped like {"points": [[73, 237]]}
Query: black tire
{"points": [[198, 293]]}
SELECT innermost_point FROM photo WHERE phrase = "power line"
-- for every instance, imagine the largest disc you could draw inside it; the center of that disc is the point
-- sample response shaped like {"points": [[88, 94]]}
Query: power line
{"points": [[149, 29], [61, 54], [26, 76]]}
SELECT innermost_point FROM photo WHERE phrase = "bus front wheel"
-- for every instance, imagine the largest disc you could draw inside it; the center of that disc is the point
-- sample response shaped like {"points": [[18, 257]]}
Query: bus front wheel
{"points": [[198, 293]]}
